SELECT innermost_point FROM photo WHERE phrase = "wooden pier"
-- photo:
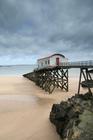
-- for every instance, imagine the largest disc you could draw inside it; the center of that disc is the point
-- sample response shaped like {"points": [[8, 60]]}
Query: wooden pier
{"points": [[49, 78]]}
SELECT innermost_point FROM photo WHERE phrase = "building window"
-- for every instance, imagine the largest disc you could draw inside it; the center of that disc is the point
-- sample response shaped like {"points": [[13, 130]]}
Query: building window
{"points": [[42, 64], [48, 62]]}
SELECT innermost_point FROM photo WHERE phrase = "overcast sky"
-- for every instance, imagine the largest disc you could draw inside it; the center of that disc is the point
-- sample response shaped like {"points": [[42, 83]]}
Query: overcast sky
{"points": [[30, 29]]}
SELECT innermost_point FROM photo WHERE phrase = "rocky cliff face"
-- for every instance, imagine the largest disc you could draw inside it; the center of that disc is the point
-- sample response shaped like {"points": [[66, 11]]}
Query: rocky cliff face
{"points": [[74, 119]]}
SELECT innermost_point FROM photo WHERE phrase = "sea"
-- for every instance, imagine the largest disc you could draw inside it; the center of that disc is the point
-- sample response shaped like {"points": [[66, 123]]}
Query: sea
{"points": [[19, 70], [16, 70]]}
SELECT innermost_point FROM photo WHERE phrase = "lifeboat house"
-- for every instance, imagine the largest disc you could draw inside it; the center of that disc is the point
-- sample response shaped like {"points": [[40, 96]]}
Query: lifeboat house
{"points": [[53, 60]]}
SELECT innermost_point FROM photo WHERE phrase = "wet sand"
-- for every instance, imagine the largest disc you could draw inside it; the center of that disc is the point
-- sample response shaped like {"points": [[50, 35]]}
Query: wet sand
{"points": [[25, 108]]}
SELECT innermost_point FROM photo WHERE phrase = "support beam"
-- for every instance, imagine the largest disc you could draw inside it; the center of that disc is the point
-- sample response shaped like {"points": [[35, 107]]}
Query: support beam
{"points": [[64, 76], [51, 79], [80, 80], [85, 74]]}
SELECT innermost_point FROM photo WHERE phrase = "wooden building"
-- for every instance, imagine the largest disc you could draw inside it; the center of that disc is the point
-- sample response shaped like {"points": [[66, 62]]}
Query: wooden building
{"points": [[53, 60]]}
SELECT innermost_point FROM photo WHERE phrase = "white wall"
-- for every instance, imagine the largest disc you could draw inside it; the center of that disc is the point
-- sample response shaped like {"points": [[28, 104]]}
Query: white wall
{"points": [[43, 62], [53, 60]]}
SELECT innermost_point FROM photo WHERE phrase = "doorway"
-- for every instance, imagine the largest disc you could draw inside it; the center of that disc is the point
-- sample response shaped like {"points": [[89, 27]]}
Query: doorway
{"points": [[57, 61]]}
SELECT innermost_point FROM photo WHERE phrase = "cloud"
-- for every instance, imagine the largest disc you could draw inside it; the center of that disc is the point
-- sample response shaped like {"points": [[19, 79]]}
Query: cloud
{"points": [[36, 28]]}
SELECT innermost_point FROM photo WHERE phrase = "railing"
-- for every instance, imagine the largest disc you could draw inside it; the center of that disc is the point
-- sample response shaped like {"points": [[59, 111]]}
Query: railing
{"points": [[77, 63]]}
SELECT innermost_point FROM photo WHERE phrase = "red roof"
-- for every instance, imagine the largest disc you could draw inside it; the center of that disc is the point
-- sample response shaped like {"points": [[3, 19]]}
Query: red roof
{"points": [[51, 56]]}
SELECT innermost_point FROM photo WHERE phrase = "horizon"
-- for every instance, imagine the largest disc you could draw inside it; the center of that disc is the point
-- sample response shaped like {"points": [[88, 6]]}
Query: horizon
{"points": [[19, 65], [33, 29]]}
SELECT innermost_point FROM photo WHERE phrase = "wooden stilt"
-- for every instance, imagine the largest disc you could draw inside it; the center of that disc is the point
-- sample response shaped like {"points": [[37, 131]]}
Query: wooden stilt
{"points": [[64, 82], [86, 76], [80, 80]]}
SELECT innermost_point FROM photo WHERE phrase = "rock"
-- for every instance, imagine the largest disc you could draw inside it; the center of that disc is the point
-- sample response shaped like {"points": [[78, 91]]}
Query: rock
{"points": [[74, 119]]}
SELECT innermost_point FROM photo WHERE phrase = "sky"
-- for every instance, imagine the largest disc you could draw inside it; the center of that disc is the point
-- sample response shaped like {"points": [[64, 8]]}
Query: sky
{"points": [[32, 29]]}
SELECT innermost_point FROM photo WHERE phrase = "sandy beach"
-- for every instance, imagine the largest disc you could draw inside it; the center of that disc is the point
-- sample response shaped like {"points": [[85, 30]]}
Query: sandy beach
{"points": [[25, 108]]}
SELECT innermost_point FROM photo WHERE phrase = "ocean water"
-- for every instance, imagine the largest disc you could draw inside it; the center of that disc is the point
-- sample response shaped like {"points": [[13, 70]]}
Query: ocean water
{"points": [[74, 72], [16, 70], [22, 69]]}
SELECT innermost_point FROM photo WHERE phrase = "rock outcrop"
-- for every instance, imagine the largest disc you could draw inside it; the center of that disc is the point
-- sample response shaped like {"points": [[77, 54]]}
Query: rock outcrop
{"points": [[74, 119]]}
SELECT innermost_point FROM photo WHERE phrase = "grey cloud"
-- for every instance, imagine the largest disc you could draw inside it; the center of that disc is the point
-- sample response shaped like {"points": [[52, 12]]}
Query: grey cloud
{"points": [[77, 22], [40, 27], [8, 15]]}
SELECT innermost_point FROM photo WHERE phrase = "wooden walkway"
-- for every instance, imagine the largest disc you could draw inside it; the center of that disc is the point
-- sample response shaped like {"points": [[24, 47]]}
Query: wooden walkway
{"points": [[49, 78]]}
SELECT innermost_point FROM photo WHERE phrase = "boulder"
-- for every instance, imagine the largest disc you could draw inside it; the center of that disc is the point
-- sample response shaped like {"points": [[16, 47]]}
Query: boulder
{"points": [[74, 119]]}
